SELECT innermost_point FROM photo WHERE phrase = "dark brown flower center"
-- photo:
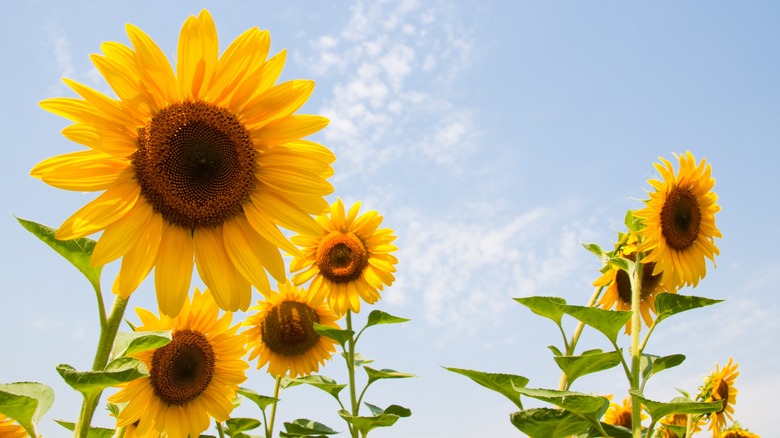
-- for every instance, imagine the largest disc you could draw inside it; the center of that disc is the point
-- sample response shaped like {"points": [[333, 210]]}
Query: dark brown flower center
{"points": [[288, 328], [680, 218], [342, 257], [723, 393], [624, 419], [183, 369], [649, 281], [195, 164]]}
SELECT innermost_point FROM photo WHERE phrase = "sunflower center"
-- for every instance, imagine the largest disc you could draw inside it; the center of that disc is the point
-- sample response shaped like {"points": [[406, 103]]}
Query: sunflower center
{"points": [[195, 164], [624, 419], [341, 257], [723, 392], [288, 328], [183, 369], [649, 281], [680, 218]]}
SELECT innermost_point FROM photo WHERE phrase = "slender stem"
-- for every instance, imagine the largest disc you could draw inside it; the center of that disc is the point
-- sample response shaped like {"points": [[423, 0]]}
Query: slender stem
{"points": [[101, 305], [105, 344], [269, 430], [219, 429], [576, 336], [351, 370], [636, 353]]}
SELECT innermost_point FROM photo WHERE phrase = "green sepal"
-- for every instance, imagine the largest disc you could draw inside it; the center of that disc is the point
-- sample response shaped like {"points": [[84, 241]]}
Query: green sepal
{"points": [[262, 401], [548, 423], [589, 407], [595, 249], [667, 304], [377, 317], [548, 307], [586, 363], [93, 432], [77, 251], [304, 428], [374, 375], [652, 365], [339, 335], [505, 384], [608, 322], [127, 343], [324, 383], [121, 370], [678, 405], [235, 426], [26, 403]]}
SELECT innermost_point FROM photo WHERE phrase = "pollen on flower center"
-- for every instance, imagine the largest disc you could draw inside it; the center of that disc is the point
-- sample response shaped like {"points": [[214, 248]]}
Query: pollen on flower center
{"points": [[342, 257], [183, 369], [680, 218], [195, 164], [288, 328]]}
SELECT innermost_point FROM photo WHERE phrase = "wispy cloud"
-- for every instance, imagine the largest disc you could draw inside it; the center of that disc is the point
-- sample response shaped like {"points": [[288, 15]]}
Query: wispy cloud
{"points": [[59, 47]]}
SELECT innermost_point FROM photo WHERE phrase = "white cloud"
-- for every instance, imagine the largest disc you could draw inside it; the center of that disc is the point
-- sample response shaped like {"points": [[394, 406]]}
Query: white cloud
{"points": [[59, 46]]}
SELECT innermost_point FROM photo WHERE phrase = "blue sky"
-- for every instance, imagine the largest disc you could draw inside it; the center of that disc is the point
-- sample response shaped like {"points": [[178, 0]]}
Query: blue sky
{"points": [[494, 138]]}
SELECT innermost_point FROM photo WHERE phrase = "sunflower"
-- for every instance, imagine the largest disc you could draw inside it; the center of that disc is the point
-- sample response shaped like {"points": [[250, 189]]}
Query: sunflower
{"points": [[202, 163], [618, 283], [720, 386], [736, 431], [673, 425], [11, 429], [618, 415], [192, 379], [347, 259], [282, 335], [679, 222]]}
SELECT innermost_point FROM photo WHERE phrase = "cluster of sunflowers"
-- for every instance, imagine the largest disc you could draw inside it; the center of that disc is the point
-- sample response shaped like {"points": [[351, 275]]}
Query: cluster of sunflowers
{"points": [[199, 167]]}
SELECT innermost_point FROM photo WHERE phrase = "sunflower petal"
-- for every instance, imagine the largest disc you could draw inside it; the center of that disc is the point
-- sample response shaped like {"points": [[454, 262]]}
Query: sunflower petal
{"points": [[173, 271], [240, 241], [106, 209], [288, 128], [230, 289], [83, 171]]}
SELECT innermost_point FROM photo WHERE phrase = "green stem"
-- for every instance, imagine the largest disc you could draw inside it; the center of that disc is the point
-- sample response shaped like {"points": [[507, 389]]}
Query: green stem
{"points": [[636, 352], [105, 344], [269, 430], [351, 370], [576, 336], [101, 305], [219, 429]]}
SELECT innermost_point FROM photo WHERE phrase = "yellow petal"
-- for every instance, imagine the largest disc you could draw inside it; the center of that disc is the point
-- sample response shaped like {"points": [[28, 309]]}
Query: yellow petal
{"points": [[267, 229], [237, 63], [102, 138], [284, 213], [229, 288], [83, 171], [277, 102], [288, 129], [173, 269], [157, 75], [107, 208], [138, 262], [110, 108], [258, 81], [121, 235], [241, 245]]}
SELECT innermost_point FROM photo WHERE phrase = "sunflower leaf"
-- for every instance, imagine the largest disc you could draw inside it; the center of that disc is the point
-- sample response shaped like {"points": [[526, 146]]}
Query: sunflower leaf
{"points": [[93, 432], [339, 335], [359, 360], [505, 384], [546, 422], [548, 307], [77, 251], [377, 317], [261, 401], [127, 343], [374, 374], [652, 365], [234, 426], [366, 424], [595, 249], [659, 410], [318, 381], [121, 370], [621, 263], [578, 366], [588, 407], [667, 304], [303, 427], [608, 322], [25, 403]]}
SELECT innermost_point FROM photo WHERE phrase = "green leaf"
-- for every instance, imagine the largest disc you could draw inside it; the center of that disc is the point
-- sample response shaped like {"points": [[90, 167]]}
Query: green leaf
{"points": [[678, 405], [318, 381], [77, 251], [26, 403], [505, 384], [612, 431], [548, 423], [374, 375], [555, 350], [339, 335], [589, 407], [608, 322], [621, 263], [93, 432], [548, 307], [652, 365], [667, 304], [127, 343], [392, 409], [235, 426], [591, 362], [633, 223], [595, 249], [306, 428], [366, 424], [122, 370], [377, 317], [359, 360], [261, 401]]}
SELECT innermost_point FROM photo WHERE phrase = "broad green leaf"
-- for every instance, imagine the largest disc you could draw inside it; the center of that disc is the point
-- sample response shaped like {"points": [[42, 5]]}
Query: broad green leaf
{"points": [[339, 335], [652, 365], [608, 322], [234, 426], [678, 405], [366, 424], [127, 343], [548, 423], [261, 401], [667, 304], [303, 427], [548, 307], [612, 431], [377, 317], [76, 251], [93, 432], [122, 370], [589, 407], [392, 409], [374, 375], [359, 360], [595, 249], [318, 381], [577, 366], [26, 403], [505, 384]]}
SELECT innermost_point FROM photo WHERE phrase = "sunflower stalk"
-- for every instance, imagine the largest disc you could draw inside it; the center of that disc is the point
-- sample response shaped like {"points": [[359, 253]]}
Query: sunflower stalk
{"points": [[575, 337], [635, 275], [351, 370], [269, 429]]}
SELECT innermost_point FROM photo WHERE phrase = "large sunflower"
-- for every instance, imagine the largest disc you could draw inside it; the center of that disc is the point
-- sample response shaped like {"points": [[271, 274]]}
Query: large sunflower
{"points": [[720, 386], [282, 335], [202, 163], [347, 259], [11, 429], [192, 379], [679, 221]]}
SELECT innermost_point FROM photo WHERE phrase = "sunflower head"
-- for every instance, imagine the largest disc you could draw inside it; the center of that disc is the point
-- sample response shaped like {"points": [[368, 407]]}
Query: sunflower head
{"points": [[673, 425], [736, 431], [281, 334], [192, 379], [620, 415], [679, 221], [347, 259], [719, 386], [200, 162]]}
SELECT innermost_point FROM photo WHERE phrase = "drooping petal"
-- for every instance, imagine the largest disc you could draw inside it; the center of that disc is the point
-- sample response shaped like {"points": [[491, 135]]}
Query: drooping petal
{"points": [[173, 269], [106, 209]]}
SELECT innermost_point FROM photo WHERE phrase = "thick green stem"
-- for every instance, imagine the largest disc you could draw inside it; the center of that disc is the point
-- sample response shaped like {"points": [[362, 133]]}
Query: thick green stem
{"points": [[269, 429], [105, 344], [351, 370], [636, 352], [576, 336]]}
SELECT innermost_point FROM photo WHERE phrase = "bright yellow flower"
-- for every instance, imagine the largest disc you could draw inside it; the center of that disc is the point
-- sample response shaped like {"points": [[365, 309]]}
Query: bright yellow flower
{"points": [[679, 222], [282, 332], [347, 259], [736, 431], [11, 429], [201, 164], [673, 426], [720, 386], [618, 415], [192, 379]]}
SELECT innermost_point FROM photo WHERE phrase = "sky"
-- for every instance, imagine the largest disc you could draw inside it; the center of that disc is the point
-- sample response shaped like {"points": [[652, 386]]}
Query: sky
{"points": [[494, 138]]}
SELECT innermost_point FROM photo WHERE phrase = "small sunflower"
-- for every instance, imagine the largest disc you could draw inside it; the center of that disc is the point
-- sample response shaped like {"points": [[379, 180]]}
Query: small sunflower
{"points": [[618, 283], [282, 332], [200, 164], [192, 379], [720, 386], [736, 431], [11, 429], [673, 425], [618, 415], [679, 222], [347, 259]]}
